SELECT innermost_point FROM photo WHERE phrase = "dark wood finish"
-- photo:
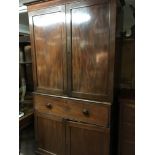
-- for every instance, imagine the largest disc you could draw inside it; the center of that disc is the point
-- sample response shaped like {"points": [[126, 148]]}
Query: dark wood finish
{"points": [[84, 139], [88, 48], [50, 134], [74, 110], [127, 127], [127, 148], [128, 132], [126, 49], [46, 3], [49, 49], [112, 54], [86, 81], [25, 2], [127, 111]]}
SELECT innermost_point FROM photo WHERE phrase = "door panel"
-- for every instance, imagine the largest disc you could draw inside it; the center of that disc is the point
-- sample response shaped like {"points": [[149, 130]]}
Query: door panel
{"points": [[49, 40], [50, 134], [84, 139], [89, 43]]}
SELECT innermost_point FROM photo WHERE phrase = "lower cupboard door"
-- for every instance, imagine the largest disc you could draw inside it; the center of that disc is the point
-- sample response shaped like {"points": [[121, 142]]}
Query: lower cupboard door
{"points": [[50, 135], [84, 139]]}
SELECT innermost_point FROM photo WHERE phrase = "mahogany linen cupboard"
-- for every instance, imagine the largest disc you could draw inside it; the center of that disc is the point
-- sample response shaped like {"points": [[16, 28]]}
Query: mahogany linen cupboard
{"points": [[73, 49]]}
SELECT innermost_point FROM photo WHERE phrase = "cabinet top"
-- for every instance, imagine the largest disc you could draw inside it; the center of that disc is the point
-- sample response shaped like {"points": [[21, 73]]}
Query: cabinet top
{"points": [[28, 2], [34, 5]]}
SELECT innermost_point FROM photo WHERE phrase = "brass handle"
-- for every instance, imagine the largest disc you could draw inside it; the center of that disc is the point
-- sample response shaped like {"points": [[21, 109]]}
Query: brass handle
{"points": [[49, 106], [85, 112]]}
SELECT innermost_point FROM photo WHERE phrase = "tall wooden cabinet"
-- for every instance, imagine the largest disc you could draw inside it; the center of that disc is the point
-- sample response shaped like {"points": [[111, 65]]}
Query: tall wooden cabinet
{"points": [[73, 49]]}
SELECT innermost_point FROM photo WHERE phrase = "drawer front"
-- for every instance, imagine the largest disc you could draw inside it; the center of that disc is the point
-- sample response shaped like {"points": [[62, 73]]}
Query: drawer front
{"points": [[82, 111]]}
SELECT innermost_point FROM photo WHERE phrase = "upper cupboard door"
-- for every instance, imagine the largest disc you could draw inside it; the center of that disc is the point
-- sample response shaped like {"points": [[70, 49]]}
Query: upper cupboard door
{"points": [[49, 47], [88, 25]]}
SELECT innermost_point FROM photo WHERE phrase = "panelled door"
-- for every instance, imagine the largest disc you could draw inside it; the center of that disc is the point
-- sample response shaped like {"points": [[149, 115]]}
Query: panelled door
{"points": [[49, 49], [88, 47], [86, 139], [50, 134]]}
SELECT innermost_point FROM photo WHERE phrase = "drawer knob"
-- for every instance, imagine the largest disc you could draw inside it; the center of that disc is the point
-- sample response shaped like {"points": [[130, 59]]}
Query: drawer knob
{"points": [[85, 112], [49, 106]]}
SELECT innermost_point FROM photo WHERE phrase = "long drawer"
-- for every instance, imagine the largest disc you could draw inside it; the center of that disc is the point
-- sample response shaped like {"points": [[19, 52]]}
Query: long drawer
{"points": [[82, 111]]}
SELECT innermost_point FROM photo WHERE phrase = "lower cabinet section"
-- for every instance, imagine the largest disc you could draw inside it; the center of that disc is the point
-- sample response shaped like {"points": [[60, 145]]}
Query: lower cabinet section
{"points": [[56, 136]]}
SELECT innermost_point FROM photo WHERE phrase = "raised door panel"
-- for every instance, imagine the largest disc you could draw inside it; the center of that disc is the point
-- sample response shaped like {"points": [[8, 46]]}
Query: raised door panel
{"points": [[50, 135], [84, 139], [89, 27], [49, 49]]}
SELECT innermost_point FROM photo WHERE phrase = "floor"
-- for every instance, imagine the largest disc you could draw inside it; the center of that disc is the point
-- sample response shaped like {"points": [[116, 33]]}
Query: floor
{"points": [[27, 145]]}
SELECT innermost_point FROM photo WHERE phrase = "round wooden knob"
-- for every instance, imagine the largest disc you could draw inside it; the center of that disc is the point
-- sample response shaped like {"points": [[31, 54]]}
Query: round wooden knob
{"points": [[85, 112], [49, 106]]}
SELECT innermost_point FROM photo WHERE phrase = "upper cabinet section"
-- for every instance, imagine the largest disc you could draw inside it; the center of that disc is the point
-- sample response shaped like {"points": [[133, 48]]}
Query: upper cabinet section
{"points": [[73, 47], [49, 49]]}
